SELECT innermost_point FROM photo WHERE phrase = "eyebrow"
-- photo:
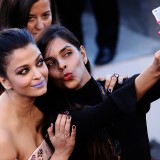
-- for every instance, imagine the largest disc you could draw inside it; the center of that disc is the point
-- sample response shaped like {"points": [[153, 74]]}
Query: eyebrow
{"points": [[40, 54], [32, 14], [64, 48]]}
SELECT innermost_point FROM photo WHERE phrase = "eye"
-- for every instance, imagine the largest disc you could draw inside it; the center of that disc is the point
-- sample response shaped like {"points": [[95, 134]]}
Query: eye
{"points": [[46, 15], [40, 62], [24, 71], [30, 18], [51, 63], [67, 54]]}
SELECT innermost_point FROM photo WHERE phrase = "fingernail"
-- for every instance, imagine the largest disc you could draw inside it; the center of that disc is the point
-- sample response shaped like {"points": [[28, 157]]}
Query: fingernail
{"points": [[51, 125], [69, 116], [120, 81], [73, 126]]}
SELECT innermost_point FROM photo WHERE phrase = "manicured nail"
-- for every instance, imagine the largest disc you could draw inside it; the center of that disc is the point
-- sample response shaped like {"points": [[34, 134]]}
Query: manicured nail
{"points": [[120, 81], [73, 126], [51, 125], [69, 116]]}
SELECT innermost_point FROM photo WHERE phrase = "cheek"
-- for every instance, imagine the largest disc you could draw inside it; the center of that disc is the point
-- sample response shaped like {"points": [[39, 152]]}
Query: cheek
{"points": [[79, 66], [21, 83], [30, 26], [53, 74], [18, 82], [48, 22], [45, 71]]}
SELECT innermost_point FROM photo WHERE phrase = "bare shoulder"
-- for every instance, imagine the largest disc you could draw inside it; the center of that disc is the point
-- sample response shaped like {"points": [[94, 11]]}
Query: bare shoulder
{"points": [[7, 146]]}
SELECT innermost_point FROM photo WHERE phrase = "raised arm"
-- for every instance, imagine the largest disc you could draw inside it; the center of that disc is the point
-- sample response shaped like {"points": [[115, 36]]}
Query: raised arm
{"points": [[121, 102], [148, 77]]}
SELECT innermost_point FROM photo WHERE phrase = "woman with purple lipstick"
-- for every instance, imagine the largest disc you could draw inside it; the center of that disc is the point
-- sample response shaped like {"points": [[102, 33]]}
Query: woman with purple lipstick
{"points": [[35, 15], [24, 76]]}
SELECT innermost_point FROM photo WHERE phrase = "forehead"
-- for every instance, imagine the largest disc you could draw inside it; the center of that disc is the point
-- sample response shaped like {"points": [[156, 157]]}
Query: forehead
{"points": [[40, 6], [24, 55], [56, 45]]}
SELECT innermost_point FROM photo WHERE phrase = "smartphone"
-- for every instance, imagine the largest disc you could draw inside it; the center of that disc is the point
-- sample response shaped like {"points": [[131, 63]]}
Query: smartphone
{"points": [[156, 13]]}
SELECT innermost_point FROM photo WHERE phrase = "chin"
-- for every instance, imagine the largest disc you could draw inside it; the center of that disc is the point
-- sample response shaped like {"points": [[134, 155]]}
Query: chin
{"points": [[73, 87], [40, 93]]}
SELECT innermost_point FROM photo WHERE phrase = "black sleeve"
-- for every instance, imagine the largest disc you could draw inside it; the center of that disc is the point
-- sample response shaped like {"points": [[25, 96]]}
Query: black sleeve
{"points": [[143, 106], [152, 95], [118, 104]]}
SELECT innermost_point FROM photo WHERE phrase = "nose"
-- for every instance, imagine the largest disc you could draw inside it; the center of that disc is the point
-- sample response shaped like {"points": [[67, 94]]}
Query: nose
{"points": [[40, 24], [62, 65], [36, 74]]}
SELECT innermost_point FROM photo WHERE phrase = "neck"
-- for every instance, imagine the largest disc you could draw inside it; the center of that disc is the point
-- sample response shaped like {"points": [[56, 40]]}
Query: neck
{"points": [[21, 107], [85, 80]]}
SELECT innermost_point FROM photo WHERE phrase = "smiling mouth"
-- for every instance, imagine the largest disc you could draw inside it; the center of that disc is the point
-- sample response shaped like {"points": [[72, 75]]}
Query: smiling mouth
{"points": [[39, 85]]}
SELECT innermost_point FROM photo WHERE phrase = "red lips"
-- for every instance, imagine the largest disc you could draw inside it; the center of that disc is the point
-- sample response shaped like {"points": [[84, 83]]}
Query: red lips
{"points": [[67, 76]]}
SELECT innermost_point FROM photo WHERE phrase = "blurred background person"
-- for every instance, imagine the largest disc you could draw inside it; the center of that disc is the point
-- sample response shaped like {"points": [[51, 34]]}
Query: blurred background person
{"points": [[107, 21], [34, 15]]}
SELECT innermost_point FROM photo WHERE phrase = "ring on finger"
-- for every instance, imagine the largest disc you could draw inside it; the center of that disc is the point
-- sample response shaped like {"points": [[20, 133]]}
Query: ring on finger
{"points": [[120, 80], [115, 75]]}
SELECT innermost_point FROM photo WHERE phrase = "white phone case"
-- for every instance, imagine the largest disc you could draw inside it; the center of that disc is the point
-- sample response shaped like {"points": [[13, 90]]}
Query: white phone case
{"points": [[156, 13]]}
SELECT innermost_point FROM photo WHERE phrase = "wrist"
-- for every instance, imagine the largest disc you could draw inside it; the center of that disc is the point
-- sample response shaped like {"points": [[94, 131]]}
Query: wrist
{"points": [[154, 71]]}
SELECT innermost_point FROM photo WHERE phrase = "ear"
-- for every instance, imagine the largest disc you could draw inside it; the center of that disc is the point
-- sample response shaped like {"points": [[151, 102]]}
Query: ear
{"points": [[83, 53], [5, 83]]}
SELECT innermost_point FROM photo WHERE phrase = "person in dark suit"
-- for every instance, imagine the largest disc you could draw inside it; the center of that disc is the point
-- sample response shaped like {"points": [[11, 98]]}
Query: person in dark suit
{"points": [[107, 21]]}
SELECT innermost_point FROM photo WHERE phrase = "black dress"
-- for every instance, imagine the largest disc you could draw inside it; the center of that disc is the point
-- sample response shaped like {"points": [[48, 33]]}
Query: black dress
{"points": [[130, 130], [119, 107]]}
